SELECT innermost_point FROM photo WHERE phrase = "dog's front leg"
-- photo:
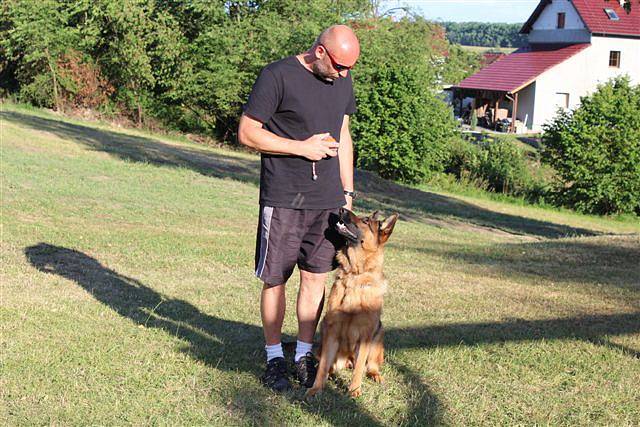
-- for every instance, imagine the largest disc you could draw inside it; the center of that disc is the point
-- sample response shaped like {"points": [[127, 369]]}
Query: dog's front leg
{"points": [[329, 351], [355, 388]]}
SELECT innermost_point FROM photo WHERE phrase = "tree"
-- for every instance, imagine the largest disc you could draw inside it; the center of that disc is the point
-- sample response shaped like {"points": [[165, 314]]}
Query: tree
{"points": [[35, 36], [402, 128], [596, 150]]}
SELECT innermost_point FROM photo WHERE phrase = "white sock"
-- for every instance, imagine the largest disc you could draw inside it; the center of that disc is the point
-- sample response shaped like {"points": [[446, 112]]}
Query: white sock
{"points": [[274, 351], [302, 348]]}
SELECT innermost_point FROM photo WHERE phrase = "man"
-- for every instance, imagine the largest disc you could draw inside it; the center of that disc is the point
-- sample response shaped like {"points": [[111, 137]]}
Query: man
{"points": [[297, 116]]}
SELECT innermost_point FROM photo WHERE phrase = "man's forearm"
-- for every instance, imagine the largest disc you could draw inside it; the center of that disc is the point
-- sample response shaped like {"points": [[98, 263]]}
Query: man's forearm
{"points": [[267, 142], [345, 155]]}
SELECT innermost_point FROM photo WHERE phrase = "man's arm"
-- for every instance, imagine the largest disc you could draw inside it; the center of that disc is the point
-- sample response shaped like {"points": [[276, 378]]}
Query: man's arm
{"points": [[345, 152], [251, 134]]}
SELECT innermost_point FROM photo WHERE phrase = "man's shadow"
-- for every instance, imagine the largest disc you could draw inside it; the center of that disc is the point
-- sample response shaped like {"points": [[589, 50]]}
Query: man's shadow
{"points": [[223, 344]]}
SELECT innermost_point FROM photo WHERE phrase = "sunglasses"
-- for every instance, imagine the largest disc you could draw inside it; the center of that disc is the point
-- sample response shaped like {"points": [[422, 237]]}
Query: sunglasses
{"points": [[336, 66]]}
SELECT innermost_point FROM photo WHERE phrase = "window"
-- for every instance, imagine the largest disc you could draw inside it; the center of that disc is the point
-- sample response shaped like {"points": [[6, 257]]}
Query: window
{"points": [[612, 14], [614, 58], [562, 100], [561, 17]]}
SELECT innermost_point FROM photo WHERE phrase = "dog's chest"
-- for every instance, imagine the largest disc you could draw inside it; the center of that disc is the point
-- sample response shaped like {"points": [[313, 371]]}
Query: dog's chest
{"points": [[353, 296]]}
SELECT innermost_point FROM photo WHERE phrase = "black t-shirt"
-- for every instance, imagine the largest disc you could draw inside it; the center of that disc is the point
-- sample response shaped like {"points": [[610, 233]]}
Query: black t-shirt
{"points": [[294, 103]]}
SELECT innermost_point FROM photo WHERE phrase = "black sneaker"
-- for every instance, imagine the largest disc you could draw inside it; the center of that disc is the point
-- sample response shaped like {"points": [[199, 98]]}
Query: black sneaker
{"points": [[306, 369], [275, 376]]}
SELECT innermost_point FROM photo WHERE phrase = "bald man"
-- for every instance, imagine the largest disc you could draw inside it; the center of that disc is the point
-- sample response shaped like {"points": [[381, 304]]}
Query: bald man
{"points": [[297, 117]]}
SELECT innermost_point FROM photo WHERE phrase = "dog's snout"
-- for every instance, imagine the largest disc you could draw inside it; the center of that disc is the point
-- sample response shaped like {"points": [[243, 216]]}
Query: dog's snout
{"points": [[343, 215]]}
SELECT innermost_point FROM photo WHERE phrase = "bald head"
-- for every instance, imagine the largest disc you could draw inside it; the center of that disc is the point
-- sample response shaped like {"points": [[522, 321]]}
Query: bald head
{"points": [[343, 44]]}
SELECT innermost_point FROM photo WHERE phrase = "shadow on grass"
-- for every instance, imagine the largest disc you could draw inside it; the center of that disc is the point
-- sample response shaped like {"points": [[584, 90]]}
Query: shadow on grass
{"points": [[612, 261], [595, 329], [222, 344], [414, 204], [144, 149], [231, 346], [377, 193]]}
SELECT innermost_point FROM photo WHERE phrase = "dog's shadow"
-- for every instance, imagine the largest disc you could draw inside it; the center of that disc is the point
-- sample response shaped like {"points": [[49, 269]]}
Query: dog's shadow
{"points": [[208, 337]]}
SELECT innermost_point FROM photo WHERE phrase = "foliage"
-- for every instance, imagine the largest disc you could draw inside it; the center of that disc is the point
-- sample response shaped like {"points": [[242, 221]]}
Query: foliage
{"points": [[496, 165], [34, 36], [191, 65], [485, 34], [474, 119], [503, 166], [226, 56], [596, 150], [402, 128], [82, 81], [459, 64]]}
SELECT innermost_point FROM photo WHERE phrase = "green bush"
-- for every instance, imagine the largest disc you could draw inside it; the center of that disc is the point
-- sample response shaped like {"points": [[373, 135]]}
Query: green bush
{"points": [[38, 92], [402, 128], [596, 151], [503, 166], [495, 165], [464, 158]]}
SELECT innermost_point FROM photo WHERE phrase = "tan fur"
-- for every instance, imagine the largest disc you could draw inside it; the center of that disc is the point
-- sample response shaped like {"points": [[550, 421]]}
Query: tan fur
{"points": [[352, 334]]}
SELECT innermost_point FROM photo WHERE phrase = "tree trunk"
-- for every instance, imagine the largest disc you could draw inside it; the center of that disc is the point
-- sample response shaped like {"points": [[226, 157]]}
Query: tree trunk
{"points": [[56, 96]]}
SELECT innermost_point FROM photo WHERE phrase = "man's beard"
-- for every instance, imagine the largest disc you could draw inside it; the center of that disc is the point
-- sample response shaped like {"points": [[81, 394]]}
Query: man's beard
{"points": [[324, 73]]}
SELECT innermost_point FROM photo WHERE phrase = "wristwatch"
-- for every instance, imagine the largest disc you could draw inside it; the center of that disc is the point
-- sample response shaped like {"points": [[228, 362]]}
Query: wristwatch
{"points": [[351, 194]]}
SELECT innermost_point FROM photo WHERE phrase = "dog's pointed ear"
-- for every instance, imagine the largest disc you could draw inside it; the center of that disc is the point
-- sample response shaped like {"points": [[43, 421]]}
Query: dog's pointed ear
{"points": [[386, 228], [375, 216]]}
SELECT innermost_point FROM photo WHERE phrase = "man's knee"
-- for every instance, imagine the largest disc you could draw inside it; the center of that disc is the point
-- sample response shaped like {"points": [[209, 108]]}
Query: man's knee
{"points": [[274, 288], [308, 278]]}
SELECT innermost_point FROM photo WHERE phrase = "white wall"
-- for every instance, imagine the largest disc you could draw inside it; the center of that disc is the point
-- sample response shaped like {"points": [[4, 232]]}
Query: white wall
{"points": [[526, 105], [545, 30], [548, 19], [580, 74]]}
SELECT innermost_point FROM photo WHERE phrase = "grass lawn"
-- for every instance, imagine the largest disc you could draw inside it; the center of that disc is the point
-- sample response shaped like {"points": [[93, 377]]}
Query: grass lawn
{"points": [[483, 49], [128, 296]]}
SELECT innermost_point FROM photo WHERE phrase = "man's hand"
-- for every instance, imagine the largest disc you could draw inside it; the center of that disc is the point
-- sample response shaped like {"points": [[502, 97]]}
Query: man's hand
{"points": [[318, 146]]}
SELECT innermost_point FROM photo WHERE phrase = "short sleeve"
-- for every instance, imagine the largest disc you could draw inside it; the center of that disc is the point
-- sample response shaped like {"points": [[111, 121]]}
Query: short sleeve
{"points": [[264, 98]]}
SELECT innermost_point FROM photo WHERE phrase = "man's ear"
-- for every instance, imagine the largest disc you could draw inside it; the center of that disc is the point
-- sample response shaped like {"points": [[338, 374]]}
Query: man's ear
{"points": [[386, 228]]}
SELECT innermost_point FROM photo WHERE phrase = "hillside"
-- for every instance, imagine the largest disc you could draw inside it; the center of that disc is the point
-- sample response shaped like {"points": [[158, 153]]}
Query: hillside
{"points": [[128, 295]]}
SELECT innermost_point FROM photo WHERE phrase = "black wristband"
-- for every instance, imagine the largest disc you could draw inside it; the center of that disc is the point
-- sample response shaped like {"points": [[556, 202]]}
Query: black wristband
{"points": [[352, 194]]}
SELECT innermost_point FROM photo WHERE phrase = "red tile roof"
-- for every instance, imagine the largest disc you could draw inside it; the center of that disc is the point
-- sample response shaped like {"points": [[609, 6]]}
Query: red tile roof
{"points": [[595, 18], [593, 14], [515, 71]]}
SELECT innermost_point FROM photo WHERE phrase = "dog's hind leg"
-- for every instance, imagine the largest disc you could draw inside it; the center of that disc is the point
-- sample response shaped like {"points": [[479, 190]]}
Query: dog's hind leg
{"points": [[329, 351], [376, 357]]}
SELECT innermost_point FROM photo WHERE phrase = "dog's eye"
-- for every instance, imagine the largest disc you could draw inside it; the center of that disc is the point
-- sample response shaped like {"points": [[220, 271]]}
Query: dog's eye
{"points": [[365, 220]]}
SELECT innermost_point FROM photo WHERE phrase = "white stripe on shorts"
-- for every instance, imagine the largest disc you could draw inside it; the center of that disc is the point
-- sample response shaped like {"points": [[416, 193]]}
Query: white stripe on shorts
{"points": [[265, 226]]}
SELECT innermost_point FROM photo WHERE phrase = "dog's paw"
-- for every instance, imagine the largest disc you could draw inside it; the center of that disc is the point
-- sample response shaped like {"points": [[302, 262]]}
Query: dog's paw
{"points": [[375, 376], [355, 392]]}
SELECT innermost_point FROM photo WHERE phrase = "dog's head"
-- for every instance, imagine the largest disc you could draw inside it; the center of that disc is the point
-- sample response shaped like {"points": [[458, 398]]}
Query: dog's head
{"points": [[370, 232]]}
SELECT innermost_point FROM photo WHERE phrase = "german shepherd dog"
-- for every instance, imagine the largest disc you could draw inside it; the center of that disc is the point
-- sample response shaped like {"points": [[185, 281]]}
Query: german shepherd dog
{"points": [[351, 329]]}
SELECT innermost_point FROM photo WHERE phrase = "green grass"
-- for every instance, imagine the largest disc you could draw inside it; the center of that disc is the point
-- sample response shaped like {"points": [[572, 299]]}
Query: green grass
{"points": [[483, 49], [128, 296]]}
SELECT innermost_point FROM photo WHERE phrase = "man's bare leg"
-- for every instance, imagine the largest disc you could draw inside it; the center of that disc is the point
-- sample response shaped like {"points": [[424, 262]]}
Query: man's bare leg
{"points": [[272, 308], [310, 303], [308, 309]]}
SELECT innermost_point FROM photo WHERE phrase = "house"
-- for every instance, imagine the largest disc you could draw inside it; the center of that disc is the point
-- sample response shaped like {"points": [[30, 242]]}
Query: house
{"points": [[574, 45]]}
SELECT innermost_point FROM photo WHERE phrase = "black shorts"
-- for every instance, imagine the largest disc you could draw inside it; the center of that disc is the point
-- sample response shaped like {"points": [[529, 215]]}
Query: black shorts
{"points": [[290, 237]]}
